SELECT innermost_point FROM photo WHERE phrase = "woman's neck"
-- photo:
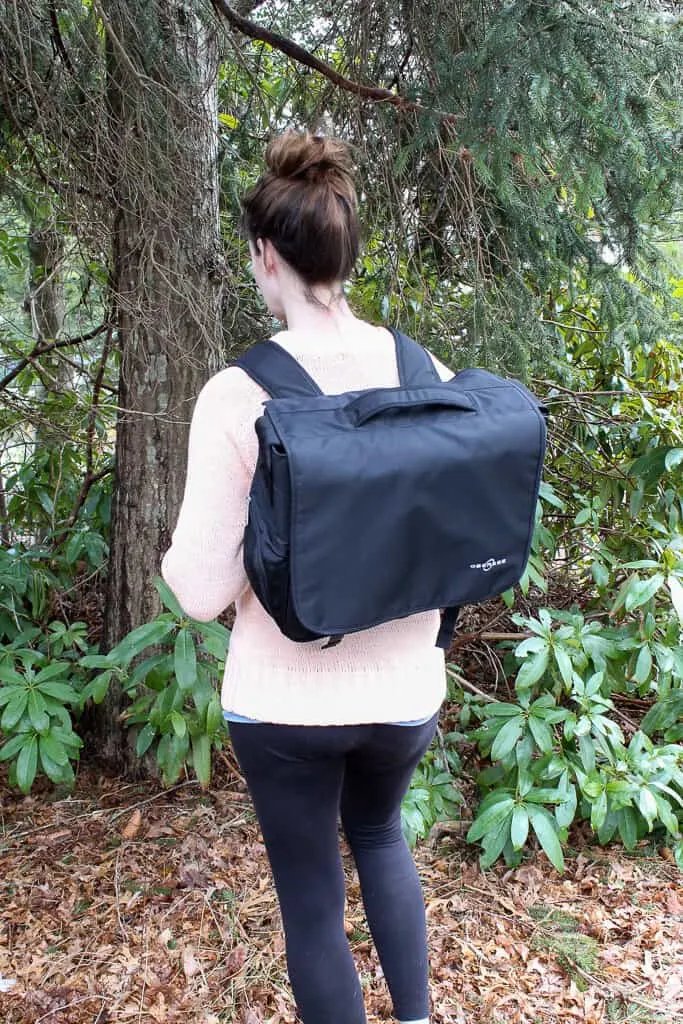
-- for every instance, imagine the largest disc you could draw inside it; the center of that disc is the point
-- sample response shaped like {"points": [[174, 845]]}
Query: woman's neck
{"points": [[325, 311]]}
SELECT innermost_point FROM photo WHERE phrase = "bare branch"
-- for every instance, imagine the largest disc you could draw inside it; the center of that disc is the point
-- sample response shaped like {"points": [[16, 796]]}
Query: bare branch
{"points": [[91, 477], [57, 36], [4, 520], [303, 56], [41, 350]]}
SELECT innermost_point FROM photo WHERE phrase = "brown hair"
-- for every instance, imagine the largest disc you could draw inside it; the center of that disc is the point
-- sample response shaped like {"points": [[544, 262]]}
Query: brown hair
{"points": [[305, 205]]}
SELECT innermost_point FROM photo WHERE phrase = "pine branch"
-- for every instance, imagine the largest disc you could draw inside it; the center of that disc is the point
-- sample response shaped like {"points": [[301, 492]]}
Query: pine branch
{"points": [[303, 56], [58, 187], [245, 7]]}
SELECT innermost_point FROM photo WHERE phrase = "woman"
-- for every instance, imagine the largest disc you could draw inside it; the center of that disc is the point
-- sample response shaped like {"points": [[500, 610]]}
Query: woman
{"points": [[318, 732]]}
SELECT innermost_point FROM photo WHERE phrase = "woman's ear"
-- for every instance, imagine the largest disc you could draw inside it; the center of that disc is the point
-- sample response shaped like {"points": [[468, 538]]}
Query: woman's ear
{"points": [[254, 250], [268, 255]]}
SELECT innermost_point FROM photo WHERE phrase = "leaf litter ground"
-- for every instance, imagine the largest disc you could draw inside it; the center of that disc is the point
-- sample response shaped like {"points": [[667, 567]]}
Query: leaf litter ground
{"points": [[125, 902]]}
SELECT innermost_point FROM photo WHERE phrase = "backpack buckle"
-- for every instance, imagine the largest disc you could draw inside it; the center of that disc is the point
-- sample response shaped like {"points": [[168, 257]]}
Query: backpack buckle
{"points": [[332, 641]]}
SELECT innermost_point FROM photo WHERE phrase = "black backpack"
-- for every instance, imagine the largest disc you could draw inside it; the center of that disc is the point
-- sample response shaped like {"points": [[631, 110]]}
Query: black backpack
{"points": [[374, 505]]}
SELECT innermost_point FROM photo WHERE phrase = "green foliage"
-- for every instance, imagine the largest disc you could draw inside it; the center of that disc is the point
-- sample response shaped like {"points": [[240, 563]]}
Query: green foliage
{"points": [[42, 685], [556, 167], [576, 155], [610, 531], [175, 708], [558, 755], [43, 490], [47, 676], [433, 795], [562, 935]]}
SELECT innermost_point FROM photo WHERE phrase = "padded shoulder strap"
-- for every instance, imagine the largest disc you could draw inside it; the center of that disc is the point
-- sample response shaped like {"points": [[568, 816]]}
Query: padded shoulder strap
{"points": [[415, 367], [276, 371]]}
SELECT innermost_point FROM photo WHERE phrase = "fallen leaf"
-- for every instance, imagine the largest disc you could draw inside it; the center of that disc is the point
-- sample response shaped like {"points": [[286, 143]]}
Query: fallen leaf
{"points": [[235, 959], [674, 905], [191, 965], [158, 1011], [193, 876], [158, 829], [133, 827], [674, 987], [458, 904]]}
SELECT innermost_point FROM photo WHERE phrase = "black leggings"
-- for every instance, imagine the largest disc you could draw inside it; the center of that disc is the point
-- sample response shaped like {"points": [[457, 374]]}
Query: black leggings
{"points": [[300, 778]]}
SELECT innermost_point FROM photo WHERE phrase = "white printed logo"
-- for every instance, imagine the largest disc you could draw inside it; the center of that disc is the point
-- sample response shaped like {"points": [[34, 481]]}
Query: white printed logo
{"points": [[489, 564]]}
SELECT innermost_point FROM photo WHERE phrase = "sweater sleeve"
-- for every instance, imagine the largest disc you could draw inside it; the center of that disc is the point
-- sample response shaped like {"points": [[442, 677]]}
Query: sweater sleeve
{"points": [[203, 567]]}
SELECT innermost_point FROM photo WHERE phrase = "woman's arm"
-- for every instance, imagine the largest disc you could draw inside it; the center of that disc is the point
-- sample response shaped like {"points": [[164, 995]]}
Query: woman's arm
{"points": [[203, 567]]}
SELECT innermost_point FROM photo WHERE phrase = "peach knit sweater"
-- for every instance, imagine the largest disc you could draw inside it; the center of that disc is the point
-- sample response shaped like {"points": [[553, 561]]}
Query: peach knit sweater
{"points": [[391, 673]]}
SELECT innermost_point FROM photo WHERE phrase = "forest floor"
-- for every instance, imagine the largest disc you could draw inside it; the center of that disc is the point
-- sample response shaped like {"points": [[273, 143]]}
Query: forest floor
{"points": [[126, 902]]}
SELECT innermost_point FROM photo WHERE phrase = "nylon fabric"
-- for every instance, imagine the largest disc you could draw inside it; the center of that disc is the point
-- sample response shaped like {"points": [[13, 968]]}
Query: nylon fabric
{"points": [[371, 506]]}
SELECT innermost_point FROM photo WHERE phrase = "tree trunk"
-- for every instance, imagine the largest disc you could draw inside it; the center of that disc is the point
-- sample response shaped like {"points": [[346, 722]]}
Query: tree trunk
{"points": [[167, 286], [45, 299]]}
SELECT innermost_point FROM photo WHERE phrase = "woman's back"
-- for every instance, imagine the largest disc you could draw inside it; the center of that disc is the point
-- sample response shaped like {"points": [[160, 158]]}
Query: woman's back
{"points": [[391, 673]]}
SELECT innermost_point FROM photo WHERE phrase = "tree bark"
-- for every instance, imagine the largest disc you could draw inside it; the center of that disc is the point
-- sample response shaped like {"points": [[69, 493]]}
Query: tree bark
{"points": [[45, 299], [167, 287]]}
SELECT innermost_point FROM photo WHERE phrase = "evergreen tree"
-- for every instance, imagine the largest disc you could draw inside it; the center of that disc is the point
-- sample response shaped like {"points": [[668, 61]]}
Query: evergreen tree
{"points": [[512, 153]]}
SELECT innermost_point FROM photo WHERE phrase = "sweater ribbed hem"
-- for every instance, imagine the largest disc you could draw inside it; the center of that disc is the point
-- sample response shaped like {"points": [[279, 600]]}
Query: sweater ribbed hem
{"points": [[373, 693]]}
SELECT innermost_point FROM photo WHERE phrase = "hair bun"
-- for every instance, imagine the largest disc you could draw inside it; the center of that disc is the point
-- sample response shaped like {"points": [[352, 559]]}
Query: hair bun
{"points": [[311, 158], [306, 206]]}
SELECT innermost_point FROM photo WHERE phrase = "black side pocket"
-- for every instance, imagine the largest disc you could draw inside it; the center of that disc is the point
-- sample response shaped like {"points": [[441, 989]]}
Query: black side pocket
{"points": [[266, 560], [267, 541]]}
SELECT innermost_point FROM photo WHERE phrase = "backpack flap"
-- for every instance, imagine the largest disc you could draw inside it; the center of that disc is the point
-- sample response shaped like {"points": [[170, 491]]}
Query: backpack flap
{"points": [[401, 500]]}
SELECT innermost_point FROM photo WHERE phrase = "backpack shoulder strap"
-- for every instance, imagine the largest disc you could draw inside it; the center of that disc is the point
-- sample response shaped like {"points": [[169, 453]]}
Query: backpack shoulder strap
{"points": [[415, 367], [276, 371]]}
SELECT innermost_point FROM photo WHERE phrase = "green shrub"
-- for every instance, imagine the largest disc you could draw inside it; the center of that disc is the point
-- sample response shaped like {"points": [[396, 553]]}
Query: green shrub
{"points": [[558, 756], [175, 707], [609, 535], [433, 795], [46, 679]]}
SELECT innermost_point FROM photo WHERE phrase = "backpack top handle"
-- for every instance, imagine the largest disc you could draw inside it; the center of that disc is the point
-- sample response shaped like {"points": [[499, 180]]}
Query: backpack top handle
{"points": [[373, 403]]}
